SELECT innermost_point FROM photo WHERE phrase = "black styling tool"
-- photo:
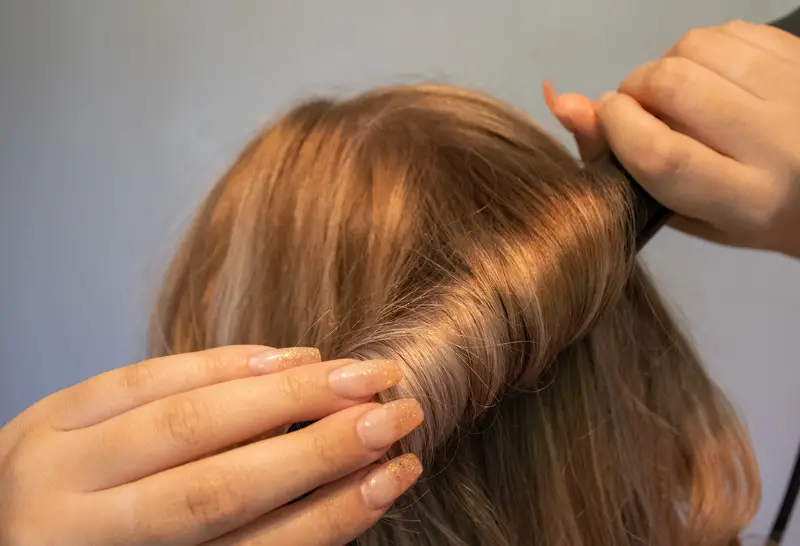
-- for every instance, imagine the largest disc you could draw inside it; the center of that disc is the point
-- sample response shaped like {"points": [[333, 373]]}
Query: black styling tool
{"points": [[648, 214]]}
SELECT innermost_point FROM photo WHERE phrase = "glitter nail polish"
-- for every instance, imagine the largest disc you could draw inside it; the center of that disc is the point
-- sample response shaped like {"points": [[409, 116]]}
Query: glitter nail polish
{"points": [[363, 379], [385, 484], [383, 426], [276, 360]]}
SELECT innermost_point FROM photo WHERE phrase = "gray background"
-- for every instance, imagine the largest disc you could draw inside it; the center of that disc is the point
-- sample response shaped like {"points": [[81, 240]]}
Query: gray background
{"points": [[116, 116]]}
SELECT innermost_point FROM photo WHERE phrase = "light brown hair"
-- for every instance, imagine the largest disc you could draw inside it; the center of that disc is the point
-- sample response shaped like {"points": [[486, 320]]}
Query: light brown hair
{"points": [[432, 225]]}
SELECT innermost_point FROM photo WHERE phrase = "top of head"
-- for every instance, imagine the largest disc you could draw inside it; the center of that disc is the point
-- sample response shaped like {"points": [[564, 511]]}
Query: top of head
{"points": [[434, 226], [425, 223]]}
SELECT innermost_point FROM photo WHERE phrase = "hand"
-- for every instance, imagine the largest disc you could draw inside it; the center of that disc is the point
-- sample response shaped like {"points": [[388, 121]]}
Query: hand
{"points": [[138, 455], [711, 130]]}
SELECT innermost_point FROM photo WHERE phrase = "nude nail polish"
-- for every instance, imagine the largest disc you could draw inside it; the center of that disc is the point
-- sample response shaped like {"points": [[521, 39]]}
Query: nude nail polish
{"points": [[363, 379], [383, 426], [276, 360], [385, 484]]}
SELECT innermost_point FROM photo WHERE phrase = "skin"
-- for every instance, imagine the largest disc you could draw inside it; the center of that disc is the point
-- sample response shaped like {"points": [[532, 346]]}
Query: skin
{"points": [[142, 455], [711, 130], [138, 456]]}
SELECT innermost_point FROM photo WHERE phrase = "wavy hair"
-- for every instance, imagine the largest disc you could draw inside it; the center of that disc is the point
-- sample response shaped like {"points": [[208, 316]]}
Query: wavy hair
{"points": [[432, 225]]}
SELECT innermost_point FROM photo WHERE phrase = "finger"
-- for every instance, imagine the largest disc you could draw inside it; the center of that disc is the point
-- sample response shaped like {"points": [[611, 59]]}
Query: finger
{"points": [[577, 114], [701, 230], [750, 67], [705, 105], [778, 42], [335, 514], [117, 391], [207, 498], [681, 173], [193, 424]]}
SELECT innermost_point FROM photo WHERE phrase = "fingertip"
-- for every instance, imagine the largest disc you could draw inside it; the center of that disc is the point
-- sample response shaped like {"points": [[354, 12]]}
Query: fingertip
{"points": [[575, 101], [576, 112], [606, 98], [271, 360], [384, 485], [567, 107], [612, 107]]}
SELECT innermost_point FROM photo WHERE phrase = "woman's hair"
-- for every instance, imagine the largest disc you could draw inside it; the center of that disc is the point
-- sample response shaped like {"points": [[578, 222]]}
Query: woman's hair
{"points": [[434, 226]]}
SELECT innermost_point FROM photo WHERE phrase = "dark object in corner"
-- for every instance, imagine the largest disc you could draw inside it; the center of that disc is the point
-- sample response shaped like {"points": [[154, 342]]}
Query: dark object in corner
{"points": [[790, 23]]}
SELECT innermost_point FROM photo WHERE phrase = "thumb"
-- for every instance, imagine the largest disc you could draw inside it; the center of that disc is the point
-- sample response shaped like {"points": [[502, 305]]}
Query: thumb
{"points": [[577, 114]]}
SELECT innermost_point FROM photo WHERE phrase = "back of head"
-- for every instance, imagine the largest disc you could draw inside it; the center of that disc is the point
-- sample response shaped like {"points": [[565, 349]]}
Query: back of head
{"points": [[431, 225]]}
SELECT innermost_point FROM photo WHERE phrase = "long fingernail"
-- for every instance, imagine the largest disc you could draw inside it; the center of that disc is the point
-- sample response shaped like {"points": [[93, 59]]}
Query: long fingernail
{"points": [[383, 426], [550, 94], [383, 485], [275, 360], [361, 379]]}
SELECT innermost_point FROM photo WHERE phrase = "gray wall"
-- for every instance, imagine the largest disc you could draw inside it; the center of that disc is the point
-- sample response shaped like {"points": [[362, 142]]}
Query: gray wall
{"points": [[116, 116]]}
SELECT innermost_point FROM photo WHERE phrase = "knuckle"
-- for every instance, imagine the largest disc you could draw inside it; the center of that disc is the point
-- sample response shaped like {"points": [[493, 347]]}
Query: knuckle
{"points": [[660, 159], [337, 518], [736, 25], [692, 42], [14, 464], [185, 422], [324, 450], [667, 81], [213, 499], [137, 376], [212, 363], [23, 461], [297, 386]]}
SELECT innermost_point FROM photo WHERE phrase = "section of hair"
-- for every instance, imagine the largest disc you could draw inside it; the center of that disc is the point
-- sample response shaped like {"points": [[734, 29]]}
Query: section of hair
{"points": [[432, 225]]}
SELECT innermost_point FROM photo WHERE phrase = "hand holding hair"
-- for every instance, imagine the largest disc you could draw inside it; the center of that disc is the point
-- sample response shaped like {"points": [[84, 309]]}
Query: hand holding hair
{"points": [[142, 454], [711, 130]]}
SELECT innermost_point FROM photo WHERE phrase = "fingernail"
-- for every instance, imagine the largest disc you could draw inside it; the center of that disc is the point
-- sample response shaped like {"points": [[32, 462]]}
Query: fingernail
{"points": [[383, 426], [275, 360], [383, 485], [362, 379], [550, 93]]}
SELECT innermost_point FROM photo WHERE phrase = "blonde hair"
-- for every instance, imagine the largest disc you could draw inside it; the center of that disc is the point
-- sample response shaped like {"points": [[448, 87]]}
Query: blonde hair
{"points": [[432, 225]]}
